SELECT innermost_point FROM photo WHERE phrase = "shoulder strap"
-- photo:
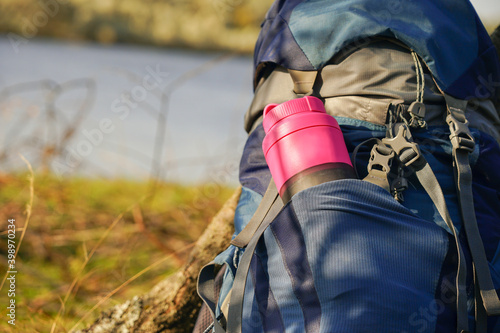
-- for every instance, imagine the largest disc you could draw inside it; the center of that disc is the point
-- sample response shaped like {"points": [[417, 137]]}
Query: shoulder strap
{"points": [[431, 186], [235, 313], [244, 237], [409, 155], [248, 237], [463, 143]]}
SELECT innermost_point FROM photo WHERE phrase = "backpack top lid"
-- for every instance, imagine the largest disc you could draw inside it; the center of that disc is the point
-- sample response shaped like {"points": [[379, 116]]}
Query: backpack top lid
{"points": [[447, 34]]}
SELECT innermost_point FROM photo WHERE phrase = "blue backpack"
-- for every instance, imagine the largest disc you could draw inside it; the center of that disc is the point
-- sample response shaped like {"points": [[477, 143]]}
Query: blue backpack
{"points": [[413, 244]]}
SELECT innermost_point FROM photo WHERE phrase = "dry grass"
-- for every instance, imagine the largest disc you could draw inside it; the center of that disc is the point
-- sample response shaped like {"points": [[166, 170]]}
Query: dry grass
{"points": [[93, 243]]}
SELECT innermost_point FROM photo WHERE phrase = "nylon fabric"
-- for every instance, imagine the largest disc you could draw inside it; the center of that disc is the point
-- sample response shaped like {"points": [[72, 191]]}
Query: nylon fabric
{"points": [[359, 243], [374, 76], [204, 320], [487, 289], [445, 295], [206, 291], [446, 34], [247, 205], [431, 185], [486, 192], [344, 256], [227, 259], [251, 318], [288, 234], [276, 40], [270, 315], [437, 149], [238, 290], [275, 89], [254, 172], [243, 238], [281, 284]]}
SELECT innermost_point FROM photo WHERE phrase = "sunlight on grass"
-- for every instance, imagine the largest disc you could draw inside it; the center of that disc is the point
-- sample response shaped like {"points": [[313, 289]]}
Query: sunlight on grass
{"points": [[56, 263]]}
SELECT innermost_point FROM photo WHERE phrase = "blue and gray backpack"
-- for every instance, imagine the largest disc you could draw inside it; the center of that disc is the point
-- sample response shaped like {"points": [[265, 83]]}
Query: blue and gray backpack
{"points": [[413, 244]]}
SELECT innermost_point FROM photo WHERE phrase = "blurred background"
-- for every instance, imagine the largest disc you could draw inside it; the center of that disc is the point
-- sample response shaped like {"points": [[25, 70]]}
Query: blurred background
{"points": [[130, 114], [172, 77]]}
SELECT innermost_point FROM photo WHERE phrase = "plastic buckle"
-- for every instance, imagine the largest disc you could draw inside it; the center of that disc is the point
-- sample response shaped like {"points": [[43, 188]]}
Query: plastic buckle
{"points": [[403, 145], [460, 135], [417, 109], [381, 156]]}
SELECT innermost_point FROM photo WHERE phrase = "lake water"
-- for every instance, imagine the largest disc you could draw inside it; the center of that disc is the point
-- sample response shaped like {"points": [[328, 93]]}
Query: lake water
{"points": [[120, 92]]}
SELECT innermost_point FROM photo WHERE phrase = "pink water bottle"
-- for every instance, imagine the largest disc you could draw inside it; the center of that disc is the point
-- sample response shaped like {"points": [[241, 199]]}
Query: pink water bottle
{"points": [[303, 146]]}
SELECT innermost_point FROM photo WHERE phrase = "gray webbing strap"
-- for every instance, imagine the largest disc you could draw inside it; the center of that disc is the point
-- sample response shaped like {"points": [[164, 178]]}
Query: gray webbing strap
{"points": [[463, 144], [206, 291], [409, 154], [431, 185], [234, 321], [244, 237], [480, 312], [206, 278]]}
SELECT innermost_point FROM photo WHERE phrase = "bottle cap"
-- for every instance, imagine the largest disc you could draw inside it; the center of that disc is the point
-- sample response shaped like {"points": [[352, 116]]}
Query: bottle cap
{"points": [[273, 113]]}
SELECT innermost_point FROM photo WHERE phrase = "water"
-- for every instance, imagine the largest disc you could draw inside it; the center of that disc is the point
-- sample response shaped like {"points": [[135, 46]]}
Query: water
{"points": [[119, 137]]}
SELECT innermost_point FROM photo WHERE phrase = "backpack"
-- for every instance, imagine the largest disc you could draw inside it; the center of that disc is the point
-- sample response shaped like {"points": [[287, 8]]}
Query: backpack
{"points": [[413, 244]]}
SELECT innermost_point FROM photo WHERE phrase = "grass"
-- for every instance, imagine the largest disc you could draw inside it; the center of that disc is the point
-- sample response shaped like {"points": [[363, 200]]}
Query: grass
{"points": [[88, 237]]}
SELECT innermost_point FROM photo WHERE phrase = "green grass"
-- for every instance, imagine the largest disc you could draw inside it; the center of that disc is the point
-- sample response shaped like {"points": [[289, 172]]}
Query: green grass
{"points": [[69, 218]]}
